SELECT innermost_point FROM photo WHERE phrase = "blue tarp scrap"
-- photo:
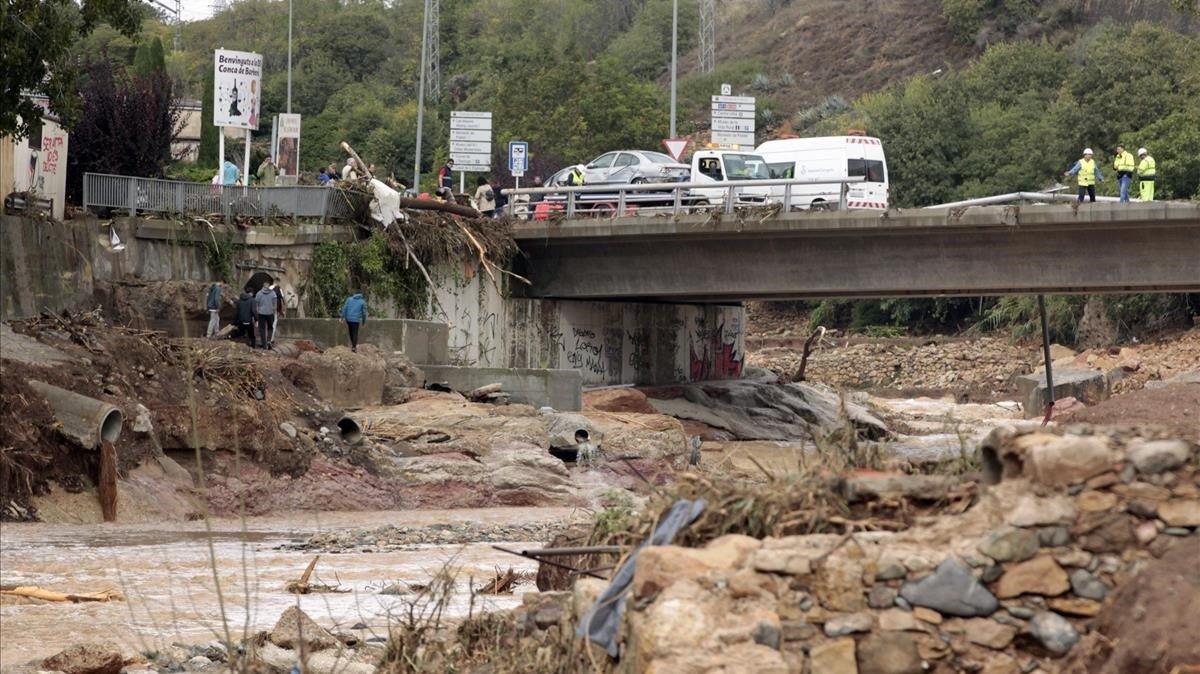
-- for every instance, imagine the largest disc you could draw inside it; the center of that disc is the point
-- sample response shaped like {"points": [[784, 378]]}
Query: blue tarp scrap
{"points": [[602, 622]]}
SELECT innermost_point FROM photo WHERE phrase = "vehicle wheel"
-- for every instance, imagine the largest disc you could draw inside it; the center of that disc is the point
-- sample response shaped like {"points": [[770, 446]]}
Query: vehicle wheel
{"points": [[639, 181], [819, 205]]}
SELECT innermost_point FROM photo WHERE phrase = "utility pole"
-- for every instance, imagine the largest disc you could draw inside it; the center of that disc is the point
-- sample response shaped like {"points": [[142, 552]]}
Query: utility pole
{"points": [[178, 23], [674, 58], [708, 35], [421, 98], [289, 89]]}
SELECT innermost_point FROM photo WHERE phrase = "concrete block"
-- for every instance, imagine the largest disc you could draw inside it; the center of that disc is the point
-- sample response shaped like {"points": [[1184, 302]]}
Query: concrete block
{"points": [[1088, 386], [560, 389], [421, 341]]}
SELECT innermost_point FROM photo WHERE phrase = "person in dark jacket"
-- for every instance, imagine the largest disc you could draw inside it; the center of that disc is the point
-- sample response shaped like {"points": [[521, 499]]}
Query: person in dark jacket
{"points": [[245, 317], [264, 307], [354, 312], [214, 310]]}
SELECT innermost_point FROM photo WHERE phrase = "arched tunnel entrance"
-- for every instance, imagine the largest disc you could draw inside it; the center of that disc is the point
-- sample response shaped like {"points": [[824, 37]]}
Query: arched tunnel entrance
{"points": [[257, 280]]}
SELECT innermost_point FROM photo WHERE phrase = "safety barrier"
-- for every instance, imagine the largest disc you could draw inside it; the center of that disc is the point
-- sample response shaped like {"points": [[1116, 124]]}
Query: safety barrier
{"points": [[675, 198], [152, 195]]}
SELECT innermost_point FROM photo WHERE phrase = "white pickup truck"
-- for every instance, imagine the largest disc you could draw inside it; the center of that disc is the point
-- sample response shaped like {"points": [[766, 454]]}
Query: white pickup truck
{"points": [[726, 167]]}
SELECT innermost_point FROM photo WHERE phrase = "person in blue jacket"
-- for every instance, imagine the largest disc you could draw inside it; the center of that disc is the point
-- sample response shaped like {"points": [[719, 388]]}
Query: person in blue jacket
{"points": [[354, 312]]}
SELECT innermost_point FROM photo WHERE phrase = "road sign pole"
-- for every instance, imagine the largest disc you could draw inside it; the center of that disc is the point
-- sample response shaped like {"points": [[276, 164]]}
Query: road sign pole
{"points": [[462, 182], [674, 58]]}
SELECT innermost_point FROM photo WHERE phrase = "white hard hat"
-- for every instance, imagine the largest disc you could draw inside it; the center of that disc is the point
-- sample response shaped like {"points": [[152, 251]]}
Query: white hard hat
{"points": [[1087, 150], [1141, 150]]}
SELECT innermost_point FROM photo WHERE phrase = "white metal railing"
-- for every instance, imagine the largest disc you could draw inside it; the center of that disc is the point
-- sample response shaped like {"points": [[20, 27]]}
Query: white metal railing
{"points": [[610, 200], [153, 195]]}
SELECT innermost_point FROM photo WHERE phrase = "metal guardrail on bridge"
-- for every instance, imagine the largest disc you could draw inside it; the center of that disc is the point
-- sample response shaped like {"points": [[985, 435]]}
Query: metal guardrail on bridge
{"points": [[674, 198], [175, 196]]}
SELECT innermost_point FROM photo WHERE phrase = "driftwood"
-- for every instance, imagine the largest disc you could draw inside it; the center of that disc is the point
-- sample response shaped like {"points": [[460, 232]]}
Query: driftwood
{"points": [[435, 205], [485, 391], [357, 159], [502, 583], [36, 592], [303, 585]]}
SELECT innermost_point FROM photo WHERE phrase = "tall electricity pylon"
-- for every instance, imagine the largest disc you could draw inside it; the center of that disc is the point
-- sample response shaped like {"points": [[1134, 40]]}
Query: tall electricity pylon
{"points": [[708, 33], [435, 53]]}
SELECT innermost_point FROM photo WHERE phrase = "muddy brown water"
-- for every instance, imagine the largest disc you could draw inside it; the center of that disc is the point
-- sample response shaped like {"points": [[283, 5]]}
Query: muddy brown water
{"points": [[166, 572]]}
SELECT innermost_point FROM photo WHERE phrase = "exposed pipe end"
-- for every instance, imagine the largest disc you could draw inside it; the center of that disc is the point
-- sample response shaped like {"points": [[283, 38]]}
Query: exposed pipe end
{"points": [[350, 430], [111, 424]]}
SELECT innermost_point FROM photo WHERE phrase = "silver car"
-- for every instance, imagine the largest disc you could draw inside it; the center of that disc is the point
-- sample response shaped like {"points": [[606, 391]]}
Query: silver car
{"points": [[634, 166]]}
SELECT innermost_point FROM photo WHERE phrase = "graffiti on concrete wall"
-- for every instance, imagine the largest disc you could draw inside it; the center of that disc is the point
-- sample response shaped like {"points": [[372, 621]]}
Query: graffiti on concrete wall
{"points": [[585, 351], [715, 351]]}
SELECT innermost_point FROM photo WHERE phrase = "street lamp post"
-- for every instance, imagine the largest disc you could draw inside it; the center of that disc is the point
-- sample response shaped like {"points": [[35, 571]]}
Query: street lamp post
{"points": [[289, 96], [421, 99], [674, 58]]}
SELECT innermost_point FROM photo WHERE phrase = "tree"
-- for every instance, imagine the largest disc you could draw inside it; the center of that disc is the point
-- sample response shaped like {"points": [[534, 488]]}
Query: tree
{"points": [[127, 125], [37, 36], [208, 131], [149, 58]]}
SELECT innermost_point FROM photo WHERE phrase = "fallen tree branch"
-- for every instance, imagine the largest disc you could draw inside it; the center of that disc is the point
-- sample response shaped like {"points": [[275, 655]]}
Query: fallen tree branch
{"points": [[35, 592]]}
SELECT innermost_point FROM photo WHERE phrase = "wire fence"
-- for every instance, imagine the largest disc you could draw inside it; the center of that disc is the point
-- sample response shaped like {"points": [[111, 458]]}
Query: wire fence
{"points": [[151, 195]]}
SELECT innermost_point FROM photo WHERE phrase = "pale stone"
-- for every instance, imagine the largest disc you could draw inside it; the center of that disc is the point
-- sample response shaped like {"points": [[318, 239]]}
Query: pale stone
{"points": [[295, 629], [1184, 513], [895, 620], [1157, 456], [1059, 460], [888, 653], [849, 624], [989, 633], [927, 615], [1040, 575], [1031, 511], [834, 657], [1095, 501], [1075, 606]]}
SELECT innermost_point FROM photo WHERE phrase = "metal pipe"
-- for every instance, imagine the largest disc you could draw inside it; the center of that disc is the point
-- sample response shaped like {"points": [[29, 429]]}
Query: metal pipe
{"points": [[1041, 302], [1015, 196], [86, 420]]}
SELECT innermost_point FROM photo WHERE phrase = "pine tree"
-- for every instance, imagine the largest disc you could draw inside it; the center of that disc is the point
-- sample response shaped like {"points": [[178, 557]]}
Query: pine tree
{"points": [[149, 58]]}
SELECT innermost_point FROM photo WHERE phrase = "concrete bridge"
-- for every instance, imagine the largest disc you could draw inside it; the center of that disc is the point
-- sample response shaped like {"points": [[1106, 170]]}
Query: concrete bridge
{"points": [[993, 250]]}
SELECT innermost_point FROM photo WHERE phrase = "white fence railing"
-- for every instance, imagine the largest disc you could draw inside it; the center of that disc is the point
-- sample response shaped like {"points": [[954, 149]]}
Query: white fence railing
{"points": [[675, 198], [151, 195]]}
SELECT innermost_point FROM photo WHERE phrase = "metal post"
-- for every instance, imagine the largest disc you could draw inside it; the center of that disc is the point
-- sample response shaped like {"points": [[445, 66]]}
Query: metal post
{"points": [[787, 197], [678, 199], [246, 162], [1041, 301], [674, 58], [729, 199], [289, 91], [132, 196], [421, 99], [571, 204], [620, 203], [462, 182]]}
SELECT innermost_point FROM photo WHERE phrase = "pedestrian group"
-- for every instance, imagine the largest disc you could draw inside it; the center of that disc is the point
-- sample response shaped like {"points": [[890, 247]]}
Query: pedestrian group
{"points": [[1087, 173]]}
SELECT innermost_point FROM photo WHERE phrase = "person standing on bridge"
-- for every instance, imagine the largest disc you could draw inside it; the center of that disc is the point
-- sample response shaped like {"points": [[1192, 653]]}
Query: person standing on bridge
{"points": [[267, 172], [1147, 172], [575, 177], [1089, 174], [446, 175], [354, 312], [485, 198], [1123, 165]]}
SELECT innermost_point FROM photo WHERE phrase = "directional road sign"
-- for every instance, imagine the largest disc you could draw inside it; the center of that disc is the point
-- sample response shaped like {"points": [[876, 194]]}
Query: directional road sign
{"points": [[733, 119], [471, 140], [518, 157]]}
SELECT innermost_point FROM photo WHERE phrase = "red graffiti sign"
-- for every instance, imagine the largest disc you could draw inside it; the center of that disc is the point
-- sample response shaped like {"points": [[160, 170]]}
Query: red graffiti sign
{"points": [[51, 149]]}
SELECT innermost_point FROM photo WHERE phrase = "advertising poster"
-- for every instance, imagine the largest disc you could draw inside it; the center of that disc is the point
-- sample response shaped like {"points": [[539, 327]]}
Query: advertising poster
{"points": [[237, 88], [287, 154]]}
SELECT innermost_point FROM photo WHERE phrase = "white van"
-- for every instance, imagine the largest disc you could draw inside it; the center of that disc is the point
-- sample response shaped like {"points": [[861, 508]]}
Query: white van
{"points": [[835, 158], [726, 166]]}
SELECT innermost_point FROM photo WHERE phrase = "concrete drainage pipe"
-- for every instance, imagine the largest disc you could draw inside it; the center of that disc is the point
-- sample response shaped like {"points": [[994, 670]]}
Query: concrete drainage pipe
{"points": [[351, 432], [85, 419]]}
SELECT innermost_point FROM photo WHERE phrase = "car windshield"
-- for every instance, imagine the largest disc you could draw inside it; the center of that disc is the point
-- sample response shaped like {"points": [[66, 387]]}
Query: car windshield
{"points": [[746, 167], [659, 158]]}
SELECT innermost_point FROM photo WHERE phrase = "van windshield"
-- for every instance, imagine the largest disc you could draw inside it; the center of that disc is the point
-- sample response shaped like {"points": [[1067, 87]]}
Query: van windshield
{"points": [[745, 167], [784, 170], [870, 170]]}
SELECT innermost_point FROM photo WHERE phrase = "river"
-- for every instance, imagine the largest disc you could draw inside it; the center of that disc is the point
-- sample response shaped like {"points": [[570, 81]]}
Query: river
{"points": [[165, 570]]}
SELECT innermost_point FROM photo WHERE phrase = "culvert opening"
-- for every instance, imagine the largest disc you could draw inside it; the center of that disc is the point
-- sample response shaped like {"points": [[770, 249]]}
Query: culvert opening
{"points": [[110, 426], [350, 430], [567, 455]]}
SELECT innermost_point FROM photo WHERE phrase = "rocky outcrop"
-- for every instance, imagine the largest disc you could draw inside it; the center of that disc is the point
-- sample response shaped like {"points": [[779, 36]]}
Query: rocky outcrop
{"points": [[345, 378], [90, 658]]}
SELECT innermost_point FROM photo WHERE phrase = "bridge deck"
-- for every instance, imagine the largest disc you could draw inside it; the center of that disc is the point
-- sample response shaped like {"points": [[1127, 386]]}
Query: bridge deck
{"points": [[975, 251]]}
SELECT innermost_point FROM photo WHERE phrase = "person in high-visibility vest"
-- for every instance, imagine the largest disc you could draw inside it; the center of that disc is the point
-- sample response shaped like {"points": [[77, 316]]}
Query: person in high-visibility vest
{"points": [[1147, 171], [1089, 174], [575, 177], [1123, 164]]}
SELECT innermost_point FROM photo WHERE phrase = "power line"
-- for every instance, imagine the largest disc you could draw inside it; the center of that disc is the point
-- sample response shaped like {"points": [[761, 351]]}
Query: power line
{"points": [[708, 35]]}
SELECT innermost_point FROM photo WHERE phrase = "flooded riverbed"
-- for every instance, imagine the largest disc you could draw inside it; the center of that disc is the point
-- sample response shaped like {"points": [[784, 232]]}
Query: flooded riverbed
{"points": [[166, 572]]}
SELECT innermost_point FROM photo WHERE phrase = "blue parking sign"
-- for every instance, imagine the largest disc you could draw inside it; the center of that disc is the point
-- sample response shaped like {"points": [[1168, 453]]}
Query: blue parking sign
{"points": [[518, 157]]}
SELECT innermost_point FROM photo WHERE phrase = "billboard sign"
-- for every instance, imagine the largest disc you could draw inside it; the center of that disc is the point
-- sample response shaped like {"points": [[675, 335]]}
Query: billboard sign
{"points": [[237, 88]]}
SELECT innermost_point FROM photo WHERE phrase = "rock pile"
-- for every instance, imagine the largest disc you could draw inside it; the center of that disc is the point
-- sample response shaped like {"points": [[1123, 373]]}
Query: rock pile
{"points": [[396, 537], [1022, 578]]}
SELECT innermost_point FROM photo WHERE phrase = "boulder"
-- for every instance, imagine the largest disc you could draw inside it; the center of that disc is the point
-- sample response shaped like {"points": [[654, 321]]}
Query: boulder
{"points": [[573, 431], [618, 400], [951, 590], [1040, 575], [1012, 545], [1045, 457], [1085, 385], [296, 631], [89, 658], [400, 377], [524, 475]]}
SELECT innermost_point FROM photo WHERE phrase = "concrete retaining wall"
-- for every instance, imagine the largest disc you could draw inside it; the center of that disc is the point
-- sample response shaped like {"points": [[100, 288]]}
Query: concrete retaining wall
{"points": [[422, 341], [560, 389]]}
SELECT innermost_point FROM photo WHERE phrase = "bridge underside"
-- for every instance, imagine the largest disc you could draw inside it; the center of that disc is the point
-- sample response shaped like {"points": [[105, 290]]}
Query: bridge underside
{"points": [[1096, 248]]}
